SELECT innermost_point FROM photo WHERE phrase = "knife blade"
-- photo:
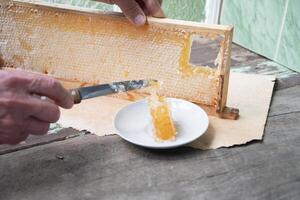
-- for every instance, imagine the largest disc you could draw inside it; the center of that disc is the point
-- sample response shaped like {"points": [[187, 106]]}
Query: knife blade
{"points": [[82, 93]]}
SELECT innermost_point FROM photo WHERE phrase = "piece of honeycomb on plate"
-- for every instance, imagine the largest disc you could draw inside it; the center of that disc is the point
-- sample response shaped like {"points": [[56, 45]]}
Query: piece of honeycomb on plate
{"points": [[164, 128]]}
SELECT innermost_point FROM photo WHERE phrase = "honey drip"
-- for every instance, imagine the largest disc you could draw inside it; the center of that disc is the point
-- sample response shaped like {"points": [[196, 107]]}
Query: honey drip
{"points": [[163, 124]]}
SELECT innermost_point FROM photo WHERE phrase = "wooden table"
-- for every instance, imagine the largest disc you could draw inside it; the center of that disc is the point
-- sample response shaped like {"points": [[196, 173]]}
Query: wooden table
{"points": [[65, 166]]}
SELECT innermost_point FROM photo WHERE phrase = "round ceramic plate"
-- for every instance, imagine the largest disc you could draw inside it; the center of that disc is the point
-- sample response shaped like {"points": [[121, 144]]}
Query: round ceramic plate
{"points": [[133, 123]]}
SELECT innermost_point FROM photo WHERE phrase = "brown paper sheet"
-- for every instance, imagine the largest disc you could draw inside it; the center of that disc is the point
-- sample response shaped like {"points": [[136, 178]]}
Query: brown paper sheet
{"points": [[250, 93], [95, 115]]}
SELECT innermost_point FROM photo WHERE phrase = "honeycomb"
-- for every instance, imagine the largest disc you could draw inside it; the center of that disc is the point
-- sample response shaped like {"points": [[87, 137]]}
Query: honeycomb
{"points": [[163, 125], [87, 47]]}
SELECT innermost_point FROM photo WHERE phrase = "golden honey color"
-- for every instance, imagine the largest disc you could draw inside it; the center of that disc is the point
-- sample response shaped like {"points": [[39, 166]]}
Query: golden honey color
{"points": [[163, 124]]}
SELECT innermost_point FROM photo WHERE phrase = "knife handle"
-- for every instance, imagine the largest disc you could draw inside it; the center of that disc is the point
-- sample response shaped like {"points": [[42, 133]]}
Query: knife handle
{"points": [[76, 95]]}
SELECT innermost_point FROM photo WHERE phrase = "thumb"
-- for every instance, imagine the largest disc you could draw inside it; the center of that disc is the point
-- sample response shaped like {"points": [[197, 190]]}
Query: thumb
{"points": [[132, 11]]}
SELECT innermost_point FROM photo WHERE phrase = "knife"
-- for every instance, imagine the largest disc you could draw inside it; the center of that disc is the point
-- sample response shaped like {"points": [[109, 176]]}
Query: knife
{"points": [[82, 93]]}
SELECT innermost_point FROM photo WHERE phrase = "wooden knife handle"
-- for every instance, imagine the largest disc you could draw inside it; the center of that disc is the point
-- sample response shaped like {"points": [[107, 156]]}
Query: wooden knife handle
{"points": [[74, 92], [76, 95]]}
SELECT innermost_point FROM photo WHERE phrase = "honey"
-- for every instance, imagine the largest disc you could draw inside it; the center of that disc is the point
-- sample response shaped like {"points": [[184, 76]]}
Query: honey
{"points": [[163, 124], [125, 74]]}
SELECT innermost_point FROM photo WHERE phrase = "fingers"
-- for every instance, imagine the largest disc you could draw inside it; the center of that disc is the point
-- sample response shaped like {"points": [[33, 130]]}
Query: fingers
{"points": [[43, 85], [15, 132], [10, 132], [43, 110], [51, 88], [136, 10], [132, 11], [17, 129], [35, 127], [22, 107], [21, 113], [153, 8], [13, 138]]}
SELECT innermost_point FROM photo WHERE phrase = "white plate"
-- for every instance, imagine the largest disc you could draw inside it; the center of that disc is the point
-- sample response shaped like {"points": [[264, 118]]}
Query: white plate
{"points": [[133, 123]]}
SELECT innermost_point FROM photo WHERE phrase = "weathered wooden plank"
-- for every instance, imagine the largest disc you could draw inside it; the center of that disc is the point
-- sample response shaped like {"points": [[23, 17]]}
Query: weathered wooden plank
{"points": [[288, 82], [245, 61], [286, 101], [93, 167], [33, 141], [109, 168]]}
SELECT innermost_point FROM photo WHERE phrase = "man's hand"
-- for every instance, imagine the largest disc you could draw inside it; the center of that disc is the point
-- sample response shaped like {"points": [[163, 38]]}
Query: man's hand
{"points": [[137, 10], [22, 112]]}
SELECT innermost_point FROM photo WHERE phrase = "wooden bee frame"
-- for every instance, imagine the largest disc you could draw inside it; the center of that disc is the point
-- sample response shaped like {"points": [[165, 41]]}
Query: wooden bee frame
{"points": [[85, 47]]}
